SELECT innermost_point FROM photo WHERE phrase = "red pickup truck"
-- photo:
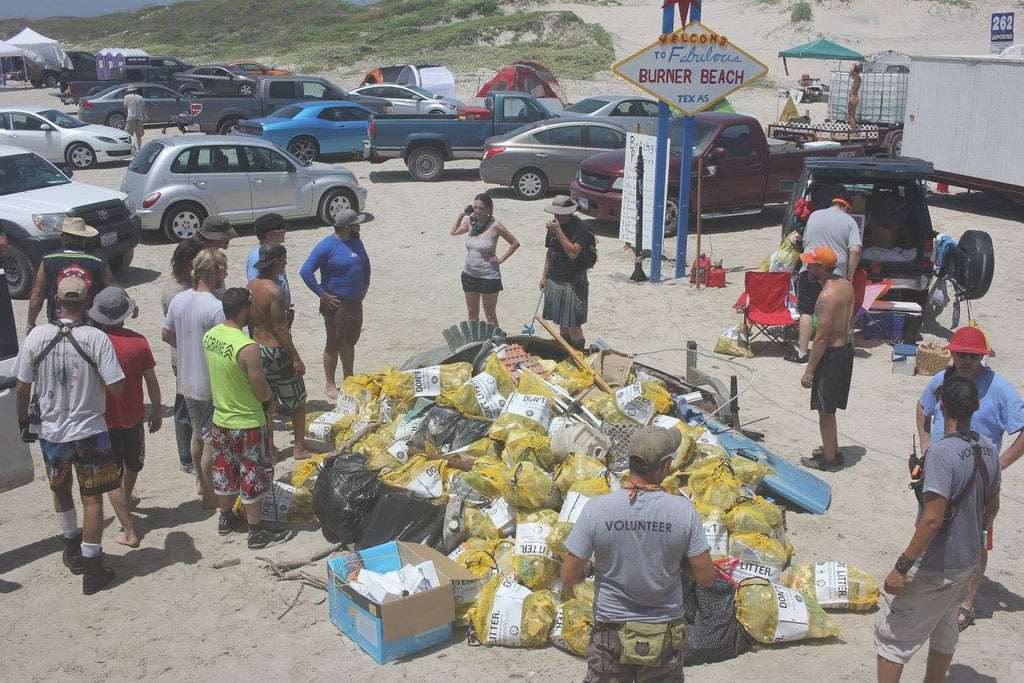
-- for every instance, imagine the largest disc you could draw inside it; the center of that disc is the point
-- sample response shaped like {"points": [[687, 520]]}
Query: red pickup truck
{"points": [[743, 170]]}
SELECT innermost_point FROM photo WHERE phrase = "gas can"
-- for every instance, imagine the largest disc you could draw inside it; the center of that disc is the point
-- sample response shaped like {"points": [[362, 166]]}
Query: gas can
{"points": [[715, 277]]}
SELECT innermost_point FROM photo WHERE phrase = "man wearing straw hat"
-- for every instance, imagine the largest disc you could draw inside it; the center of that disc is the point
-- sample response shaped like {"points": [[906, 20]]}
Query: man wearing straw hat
{"points": [[834, 228], [135, 106], [71, 261], [565, 284]]}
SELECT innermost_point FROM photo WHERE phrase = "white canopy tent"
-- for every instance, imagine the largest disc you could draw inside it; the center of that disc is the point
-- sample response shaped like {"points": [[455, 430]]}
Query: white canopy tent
{"points": [[40, 49], [8, 50]]}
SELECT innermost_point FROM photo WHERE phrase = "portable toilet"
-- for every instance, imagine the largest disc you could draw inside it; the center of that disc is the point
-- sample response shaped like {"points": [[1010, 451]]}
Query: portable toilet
{"points": [[110, 58]]}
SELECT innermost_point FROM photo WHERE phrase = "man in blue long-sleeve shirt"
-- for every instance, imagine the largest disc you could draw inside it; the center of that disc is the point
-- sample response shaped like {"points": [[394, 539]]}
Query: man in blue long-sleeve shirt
{"points": [[344, 279]]}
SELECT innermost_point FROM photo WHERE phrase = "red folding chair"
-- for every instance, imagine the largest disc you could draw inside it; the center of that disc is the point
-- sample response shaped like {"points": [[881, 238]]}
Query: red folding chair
{"points": [[764, 305]]}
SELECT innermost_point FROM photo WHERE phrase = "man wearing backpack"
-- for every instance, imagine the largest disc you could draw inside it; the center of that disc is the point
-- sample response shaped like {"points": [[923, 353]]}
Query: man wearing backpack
{"points": [[959, 499], [62, 370], [571, 252]]}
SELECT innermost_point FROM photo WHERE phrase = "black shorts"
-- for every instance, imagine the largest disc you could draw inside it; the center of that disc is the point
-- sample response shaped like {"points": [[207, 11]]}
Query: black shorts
{"points": [[807, 293], [480, 285], [831, 384], [129, 446]]}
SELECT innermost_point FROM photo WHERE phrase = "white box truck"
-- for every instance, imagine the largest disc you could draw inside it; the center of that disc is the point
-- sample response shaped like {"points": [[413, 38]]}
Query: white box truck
{"points": [[964, 114]]}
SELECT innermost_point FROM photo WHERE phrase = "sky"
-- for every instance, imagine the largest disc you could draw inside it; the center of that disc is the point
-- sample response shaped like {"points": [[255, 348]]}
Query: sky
{"points": [[81, 8]]}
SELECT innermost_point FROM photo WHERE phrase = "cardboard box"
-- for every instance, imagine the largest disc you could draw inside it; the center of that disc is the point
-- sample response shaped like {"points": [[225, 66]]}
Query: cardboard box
{"points": [[400, 626]]}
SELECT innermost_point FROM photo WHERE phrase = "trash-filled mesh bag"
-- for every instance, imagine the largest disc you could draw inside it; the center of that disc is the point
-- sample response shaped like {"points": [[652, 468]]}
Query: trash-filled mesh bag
{"points": [[754, 516], [712, 634], [576, 499], [574, 621], [715, 486], [508, 613], [488, 476], [834, 585], [530, 407], [344, 493], [431, 381], [575, 468], [493, 520], [524, 445], [531, 488], [771, 613], [534, 563], [423, 478]]}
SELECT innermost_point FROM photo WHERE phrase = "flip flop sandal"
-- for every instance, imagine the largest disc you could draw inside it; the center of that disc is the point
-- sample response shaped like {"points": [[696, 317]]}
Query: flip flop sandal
{"points": [[966, 619], [817, 462]]}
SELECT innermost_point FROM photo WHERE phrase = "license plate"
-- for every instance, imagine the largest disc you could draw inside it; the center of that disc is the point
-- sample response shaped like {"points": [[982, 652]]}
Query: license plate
{"points": [[583, 203], [108, 238]]}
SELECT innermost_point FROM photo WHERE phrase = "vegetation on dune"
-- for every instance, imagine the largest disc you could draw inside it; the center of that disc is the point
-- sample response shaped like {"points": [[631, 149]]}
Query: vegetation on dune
{"points": [[801, 12], [327, 34]]}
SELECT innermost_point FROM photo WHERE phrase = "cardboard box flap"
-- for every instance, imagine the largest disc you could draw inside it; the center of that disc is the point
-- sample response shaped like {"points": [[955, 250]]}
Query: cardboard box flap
{"points": [[414, 614]]}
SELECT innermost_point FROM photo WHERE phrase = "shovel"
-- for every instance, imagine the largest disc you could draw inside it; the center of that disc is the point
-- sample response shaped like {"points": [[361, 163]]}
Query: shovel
{"points": [[528, 329]]}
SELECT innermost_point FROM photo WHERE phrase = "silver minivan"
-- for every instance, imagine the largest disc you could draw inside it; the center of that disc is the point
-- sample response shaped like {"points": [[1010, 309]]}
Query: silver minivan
{"points": [[174, 183]]}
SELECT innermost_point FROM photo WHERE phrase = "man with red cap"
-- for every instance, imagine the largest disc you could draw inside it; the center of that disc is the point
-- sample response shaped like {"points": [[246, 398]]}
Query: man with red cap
{"points": [[833, 228], [1000, 411], [830, 361]]}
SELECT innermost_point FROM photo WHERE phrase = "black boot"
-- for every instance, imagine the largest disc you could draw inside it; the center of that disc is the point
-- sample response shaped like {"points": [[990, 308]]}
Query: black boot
{"points": [[579, 344], [96, 576], [72, 556]]}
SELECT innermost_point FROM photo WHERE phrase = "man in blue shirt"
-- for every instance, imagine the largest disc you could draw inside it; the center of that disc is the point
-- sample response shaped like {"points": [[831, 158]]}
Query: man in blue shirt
{"points": [[344, 279], [1001, 411], [270, 229]]}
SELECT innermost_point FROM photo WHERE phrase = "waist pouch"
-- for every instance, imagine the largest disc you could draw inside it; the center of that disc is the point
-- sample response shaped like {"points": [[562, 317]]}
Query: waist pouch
{"points": [[644, 644]]}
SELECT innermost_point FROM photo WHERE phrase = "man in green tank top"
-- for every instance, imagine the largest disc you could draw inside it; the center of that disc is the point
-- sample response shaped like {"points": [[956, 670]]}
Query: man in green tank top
{"points": [[242, 461]]}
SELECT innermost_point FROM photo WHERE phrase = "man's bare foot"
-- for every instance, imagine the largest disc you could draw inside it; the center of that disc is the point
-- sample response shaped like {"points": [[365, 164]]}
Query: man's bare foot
{"points": [[331, 391], [130, 540], [299, 453]]}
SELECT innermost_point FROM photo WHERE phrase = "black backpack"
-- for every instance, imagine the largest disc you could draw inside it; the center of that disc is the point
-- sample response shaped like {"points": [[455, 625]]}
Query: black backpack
{"points": [[588, 252]]}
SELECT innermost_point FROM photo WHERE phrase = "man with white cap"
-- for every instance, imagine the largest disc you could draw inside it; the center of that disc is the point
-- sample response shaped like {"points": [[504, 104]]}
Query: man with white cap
{"points": [[72, 260], [642, 540], [62, 370], [125, 413], [570, 253]]}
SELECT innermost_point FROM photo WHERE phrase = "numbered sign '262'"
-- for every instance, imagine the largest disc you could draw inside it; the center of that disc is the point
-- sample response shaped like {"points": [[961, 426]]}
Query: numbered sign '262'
{"points": [[691, 68]]}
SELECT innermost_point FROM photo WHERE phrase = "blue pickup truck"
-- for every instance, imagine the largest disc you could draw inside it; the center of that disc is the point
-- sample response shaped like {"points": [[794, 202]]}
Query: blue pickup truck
{"points": [[424, 143]]}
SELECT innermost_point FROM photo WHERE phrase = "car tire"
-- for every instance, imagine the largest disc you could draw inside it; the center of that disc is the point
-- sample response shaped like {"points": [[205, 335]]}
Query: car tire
{"points": [[19, 272], [80, 156], [117, 120], [529, 184], [426, 164], [979, 263], [436, 112], [305, 148], [671, 216], [50, 81], [894, 144], [246, 90], [119, 264], [334, 201], [227, 126], [181, 221]]}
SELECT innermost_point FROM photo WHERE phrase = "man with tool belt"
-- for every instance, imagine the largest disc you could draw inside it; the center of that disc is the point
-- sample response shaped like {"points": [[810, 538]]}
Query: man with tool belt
{"points": [[642, 540]]}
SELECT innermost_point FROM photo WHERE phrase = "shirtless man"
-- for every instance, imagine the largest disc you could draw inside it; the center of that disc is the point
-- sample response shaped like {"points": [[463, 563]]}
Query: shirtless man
{"points": [[831, 363], [282, 366]]}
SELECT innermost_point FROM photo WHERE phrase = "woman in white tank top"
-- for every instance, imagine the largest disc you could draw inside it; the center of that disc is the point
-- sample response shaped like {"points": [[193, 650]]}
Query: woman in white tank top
{"points": [[481, 276]]}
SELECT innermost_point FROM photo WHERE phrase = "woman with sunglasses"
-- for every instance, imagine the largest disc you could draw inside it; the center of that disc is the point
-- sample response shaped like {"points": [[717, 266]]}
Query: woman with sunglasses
{"points": [[481, 276]]}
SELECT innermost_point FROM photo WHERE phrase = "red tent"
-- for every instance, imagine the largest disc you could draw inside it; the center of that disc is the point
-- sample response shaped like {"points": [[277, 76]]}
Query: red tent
{"points": [[526, 76]]}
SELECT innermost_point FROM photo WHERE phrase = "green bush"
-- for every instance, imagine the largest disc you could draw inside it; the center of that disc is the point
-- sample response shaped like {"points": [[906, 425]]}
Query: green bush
{"points": [[801, 12]]}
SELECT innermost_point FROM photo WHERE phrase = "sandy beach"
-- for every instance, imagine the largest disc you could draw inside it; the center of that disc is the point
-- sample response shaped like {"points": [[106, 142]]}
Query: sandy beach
{"points": [[171, 616]]}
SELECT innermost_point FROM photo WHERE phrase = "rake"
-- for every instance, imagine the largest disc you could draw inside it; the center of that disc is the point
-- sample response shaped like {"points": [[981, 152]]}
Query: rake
{"points": [[528, 329]]}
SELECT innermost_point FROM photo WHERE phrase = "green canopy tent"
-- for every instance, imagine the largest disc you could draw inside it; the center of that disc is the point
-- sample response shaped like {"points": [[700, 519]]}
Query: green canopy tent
{"points": [[819, 49]]}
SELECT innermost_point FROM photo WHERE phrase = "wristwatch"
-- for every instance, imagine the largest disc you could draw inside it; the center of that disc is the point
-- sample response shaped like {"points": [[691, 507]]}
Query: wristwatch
{"points": [[903, 564]]}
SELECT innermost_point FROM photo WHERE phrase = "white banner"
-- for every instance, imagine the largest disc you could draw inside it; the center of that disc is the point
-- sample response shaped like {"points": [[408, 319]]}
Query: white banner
{"points": [[640, 157]]}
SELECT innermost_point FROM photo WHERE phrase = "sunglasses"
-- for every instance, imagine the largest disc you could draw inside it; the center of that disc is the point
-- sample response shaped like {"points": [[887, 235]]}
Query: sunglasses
{"points": [[967, 356]]}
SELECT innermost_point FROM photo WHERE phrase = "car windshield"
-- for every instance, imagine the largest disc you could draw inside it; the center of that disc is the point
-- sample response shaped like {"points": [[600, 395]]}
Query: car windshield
{"points": [[702, 133], [61, 119], [289, 112], [420, 91], [24, 172], [587, 106]]}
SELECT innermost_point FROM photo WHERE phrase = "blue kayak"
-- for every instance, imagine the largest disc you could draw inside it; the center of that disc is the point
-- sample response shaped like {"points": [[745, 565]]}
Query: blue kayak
{"points": [[795, 484]]}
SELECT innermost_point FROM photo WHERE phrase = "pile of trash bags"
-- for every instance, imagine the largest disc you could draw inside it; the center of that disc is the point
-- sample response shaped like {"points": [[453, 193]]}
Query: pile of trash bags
{"points": [[493, 468]]}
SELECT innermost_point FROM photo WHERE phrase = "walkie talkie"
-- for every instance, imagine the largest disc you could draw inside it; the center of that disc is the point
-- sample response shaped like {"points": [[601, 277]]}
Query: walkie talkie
{"points": [[916, 466]]}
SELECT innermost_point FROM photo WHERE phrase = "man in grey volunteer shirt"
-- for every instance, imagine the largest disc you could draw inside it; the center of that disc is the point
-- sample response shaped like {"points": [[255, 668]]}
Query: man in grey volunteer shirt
{"points": [[834, 228], [931, 577], [642, 540]]}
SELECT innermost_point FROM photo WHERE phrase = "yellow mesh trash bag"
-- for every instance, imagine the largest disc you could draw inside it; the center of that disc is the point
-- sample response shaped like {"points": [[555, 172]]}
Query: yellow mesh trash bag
{"points": [[533, 562], [529, 407], [488, 477], [573, 623], [685, 453], [431, 381], [484, 395], [524, 445], [749, 472], [715, 529], [715, 486], [307, 468], [584, 590], [674, 483], [771, 613], [760, 550], [575, 499], [575, 468], [705, 455], [531, 488], [493, 521], [834, 585], [324, 426], [754, 516], [508, 613], [496, 369], [423, 478], [570, 377]]}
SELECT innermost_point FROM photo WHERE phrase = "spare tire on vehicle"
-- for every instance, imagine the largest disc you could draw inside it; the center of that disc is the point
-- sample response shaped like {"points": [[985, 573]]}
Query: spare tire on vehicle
{"points": [[979, 263]]}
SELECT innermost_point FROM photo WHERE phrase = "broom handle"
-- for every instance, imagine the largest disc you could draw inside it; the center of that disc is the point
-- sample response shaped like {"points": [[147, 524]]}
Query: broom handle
{"points": [[573, 353]]}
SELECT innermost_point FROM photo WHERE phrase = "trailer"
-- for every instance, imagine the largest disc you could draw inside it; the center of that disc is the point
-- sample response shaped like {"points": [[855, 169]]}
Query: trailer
{"points": [[964, 115]]}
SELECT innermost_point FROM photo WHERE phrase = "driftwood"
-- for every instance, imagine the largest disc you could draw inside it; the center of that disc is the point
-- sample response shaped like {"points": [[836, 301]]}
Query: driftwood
{"points": [[227, 563], [280, 568], [294, 602], [359, 434]]}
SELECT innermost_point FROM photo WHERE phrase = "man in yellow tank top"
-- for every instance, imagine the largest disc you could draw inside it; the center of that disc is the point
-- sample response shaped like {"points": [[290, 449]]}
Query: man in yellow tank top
{"points": [[242, 461]]}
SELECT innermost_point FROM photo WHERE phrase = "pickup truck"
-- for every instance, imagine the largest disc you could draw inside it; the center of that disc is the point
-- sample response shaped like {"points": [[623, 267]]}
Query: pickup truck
{"points": [[220, 115], [425, 142], [743, 170], [83, 67], [72, 91]]}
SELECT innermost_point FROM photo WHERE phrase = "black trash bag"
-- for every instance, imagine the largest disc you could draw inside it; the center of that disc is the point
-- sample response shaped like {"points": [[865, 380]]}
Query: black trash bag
{"points": [[345, 491], [713, 634], [398, 516], [437, 428], [467, 431]]}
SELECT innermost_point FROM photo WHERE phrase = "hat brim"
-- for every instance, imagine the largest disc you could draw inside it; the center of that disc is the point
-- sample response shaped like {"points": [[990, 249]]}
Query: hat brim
{"points": [[228, 234], [808, 258], [980, 350], [361, 218], [260, 266], [87, 233], [561, 210], [96, 316]]}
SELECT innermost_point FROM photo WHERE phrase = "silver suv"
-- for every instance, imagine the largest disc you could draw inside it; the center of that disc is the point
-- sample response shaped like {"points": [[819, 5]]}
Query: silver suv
{"points": [[174, 183]]}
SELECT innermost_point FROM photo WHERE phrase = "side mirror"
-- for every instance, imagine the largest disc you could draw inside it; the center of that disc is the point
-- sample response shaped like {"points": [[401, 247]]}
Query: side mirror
{"points": [[716, 153], [45, 127], [787, 186], [66, 170]]}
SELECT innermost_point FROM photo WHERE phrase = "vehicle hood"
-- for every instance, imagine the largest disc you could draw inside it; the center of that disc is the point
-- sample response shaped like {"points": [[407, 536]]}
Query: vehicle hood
{"points": [[59, 198], [319, 169], [96, 130]]}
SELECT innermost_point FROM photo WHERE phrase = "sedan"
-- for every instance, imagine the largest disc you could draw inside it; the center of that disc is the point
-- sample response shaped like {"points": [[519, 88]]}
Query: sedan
{"points": [[107, 106], [174, 183], [629, 111], [545, 155], [215, 79], [311, 129], [411, 99], [60, 138], [257, 69]]}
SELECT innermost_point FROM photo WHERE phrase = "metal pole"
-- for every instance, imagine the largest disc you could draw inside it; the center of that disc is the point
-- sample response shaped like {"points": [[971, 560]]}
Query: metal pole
{"points": [[700, 188], [660, 176], [685, 175]]}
